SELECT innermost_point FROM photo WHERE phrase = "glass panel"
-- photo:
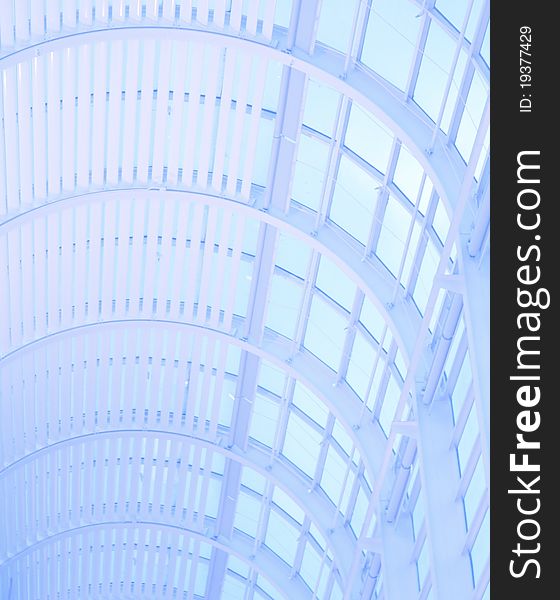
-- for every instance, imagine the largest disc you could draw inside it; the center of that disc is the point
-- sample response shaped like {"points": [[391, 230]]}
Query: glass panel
{"points": [[283, 12], [408, 174], [292, 255], [284, 501], [361, 363], [434, 70], [264, 420], [333, 475], [326, 330], [310, 405], [392, 25], [392, 238], [311, 164], [271, 378], [354, 200], [335, 25], [281, 537], [302, 445], [321, 105], [247, 514], [368, 138], [453, 11], [284, 305], [472, 115], [335, 283]]}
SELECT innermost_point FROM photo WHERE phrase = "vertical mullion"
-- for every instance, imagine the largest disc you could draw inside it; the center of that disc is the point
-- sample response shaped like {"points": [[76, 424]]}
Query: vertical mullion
{"points": [[180, 52], [252, 15], [192, 117], [80, 262], [193, 385], [208, 261], [110, 273], [169, 10], [130, 108], [212, 70], [24, 133], [15, 305], [53, 123], [146, 103], [37, 13], [11, 138], [4, 298], [39, 127], [68, 119], [86, 12], [235, 14], [95, 281], [224, 119], [190, 281], [268, 19], [176, 276], [240, 116], [205, 393], [166, 263], [162, 103], [21, 20], [202, 12], [65, 260], [135, 253], [114, 121], [121, 254], [99, 128], [218, 390], [84, 111], [239, 227], [221, 260], [254, 124], [219, 13], [186, 11], [194, 481], [149, 291], [102, 11], [26, 258]]}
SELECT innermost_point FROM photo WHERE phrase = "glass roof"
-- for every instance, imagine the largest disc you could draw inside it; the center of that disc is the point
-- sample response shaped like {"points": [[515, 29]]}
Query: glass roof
{"points": [[232, 238]]}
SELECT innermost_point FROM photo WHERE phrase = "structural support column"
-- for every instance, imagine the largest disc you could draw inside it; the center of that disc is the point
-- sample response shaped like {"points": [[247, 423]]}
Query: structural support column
{"points": [[445, 519]]}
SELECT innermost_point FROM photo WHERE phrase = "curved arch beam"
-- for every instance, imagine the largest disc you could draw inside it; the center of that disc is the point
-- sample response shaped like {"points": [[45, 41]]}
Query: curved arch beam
{"points": [[366, 434], [369, 274], [264, 562], [316, 507], [442, 163]]}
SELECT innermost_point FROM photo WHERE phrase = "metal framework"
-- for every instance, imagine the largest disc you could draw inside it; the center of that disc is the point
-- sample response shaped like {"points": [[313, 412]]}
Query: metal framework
{"points": [[244, 281]]}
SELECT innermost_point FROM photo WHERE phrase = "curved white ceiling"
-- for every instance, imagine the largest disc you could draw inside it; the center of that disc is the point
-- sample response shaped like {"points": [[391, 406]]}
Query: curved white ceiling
{"points": [[221, 271]]}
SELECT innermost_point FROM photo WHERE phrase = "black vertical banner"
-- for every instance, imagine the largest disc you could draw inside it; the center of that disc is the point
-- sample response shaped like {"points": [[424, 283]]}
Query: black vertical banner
{"points": [[525, 234]]}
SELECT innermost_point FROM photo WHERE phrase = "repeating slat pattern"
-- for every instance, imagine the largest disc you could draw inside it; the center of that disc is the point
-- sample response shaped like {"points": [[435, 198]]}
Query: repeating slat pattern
{"points": [[26, 21], [121, 113], [163, 250]]}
